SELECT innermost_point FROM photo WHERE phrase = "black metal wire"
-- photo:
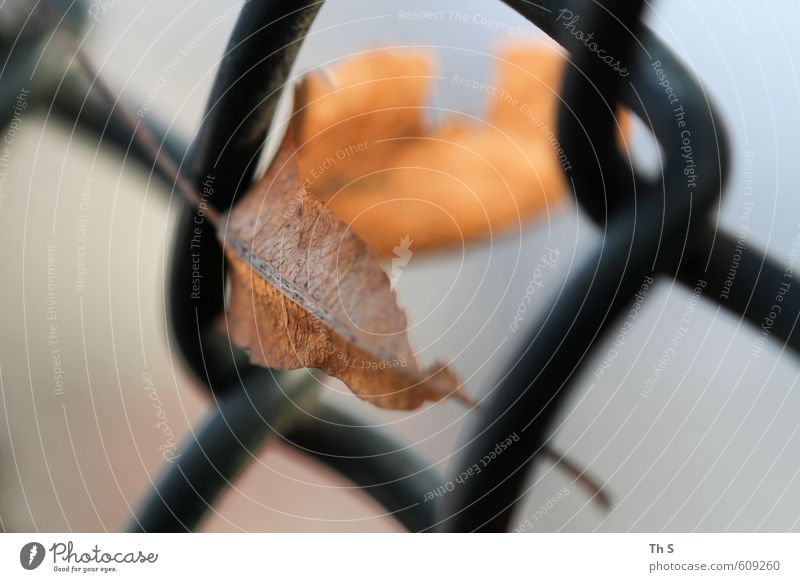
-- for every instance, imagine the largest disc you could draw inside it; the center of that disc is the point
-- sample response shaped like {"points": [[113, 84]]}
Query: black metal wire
{"points": [[247, 416], [746, 282], [251, 75], [234, 432], [250, 409], [526, 401], [26, 56], [386, 470]]}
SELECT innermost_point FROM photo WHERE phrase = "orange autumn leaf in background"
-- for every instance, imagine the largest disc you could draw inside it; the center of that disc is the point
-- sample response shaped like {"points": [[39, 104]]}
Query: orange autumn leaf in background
{"points": [[368, 153]]}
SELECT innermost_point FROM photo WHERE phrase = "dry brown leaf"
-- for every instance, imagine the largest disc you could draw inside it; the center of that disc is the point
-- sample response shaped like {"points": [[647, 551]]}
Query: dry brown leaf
{"points": [[308, 293]]}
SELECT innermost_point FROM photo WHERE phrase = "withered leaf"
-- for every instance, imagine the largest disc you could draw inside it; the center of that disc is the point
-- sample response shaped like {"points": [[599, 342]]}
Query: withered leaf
{"points": [[308, 292]]}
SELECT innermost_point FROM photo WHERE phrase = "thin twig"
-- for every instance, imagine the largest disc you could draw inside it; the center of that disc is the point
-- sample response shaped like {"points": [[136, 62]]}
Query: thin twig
{"points": [[142, 134], [595, 491]]}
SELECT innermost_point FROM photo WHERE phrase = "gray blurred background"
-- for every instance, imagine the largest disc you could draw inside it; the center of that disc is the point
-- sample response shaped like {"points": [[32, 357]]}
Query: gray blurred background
{"points": [[713, 447]]}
